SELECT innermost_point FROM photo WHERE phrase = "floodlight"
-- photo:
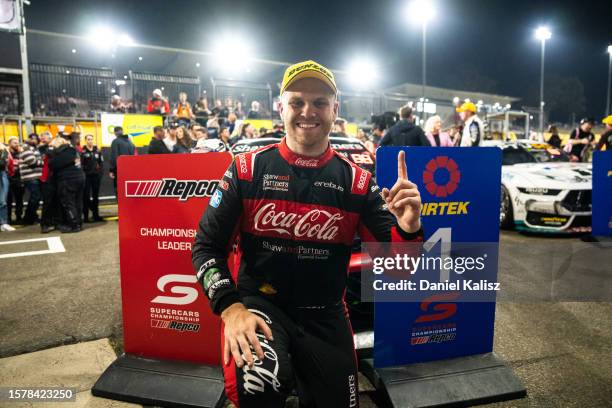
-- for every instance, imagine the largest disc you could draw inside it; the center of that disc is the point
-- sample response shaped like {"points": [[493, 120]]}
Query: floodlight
{"points": [[543, 33], [362, 73]]}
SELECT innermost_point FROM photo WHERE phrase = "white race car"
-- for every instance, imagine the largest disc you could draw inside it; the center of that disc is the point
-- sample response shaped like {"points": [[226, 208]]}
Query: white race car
{"points": [[542, 191]]}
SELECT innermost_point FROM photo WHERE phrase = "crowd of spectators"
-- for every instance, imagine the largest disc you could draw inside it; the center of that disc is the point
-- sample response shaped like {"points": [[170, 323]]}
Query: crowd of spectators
{"points": [[185, 112], [58, 170], [178, 137]]}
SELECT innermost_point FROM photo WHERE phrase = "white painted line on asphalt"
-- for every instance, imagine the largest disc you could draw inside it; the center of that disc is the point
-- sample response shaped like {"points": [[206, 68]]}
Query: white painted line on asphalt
{"points": [[54, 243]]}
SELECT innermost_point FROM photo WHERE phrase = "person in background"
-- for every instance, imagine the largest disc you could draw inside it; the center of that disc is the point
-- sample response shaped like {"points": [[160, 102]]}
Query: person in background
{"points": [[377, 134], [16, 188], [4, 187], [278, 131], [219, 110], [361, 136], [200, 133], [117, 105], [605, 140], [229, 104], [262, 131], [247, 131], [404, 132], [157, 145], [434, 134], [201, 110], [170, 139], [120, 146], [254, 113], [70, 184], [339, 129], [50, 210], [44, 140], [224, 135], [30, 168], [182, 111], [238, 110], [455, 134], [580, 140], [554, 139], [473, 128], [158, 105], [92, 164], [183, 141], [231, 122]]}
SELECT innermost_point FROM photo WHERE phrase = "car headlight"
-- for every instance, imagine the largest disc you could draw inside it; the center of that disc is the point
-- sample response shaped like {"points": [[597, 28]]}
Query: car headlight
{"points": [[538, 191]]}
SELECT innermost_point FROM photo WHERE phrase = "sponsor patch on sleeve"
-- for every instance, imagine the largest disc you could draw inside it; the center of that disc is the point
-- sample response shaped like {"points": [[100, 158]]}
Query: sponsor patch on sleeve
{"points": [[215, 200]]}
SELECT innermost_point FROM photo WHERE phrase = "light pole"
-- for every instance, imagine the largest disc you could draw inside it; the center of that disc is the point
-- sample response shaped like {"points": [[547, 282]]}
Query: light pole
{"points": [[542, 34], [422, 11], [609, 73]]}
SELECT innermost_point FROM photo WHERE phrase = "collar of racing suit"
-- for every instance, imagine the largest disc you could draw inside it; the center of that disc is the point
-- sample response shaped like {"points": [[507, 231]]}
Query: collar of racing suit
{"points": [[298, 160]]}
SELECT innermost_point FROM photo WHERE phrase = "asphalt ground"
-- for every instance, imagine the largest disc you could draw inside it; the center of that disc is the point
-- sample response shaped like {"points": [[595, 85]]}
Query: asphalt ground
{"points": [[562, 351]]}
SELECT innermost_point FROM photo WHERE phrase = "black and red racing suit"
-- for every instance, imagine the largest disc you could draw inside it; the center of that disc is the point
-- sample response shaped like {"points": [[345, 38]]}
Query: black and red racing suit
{"points": [[296, 218]]}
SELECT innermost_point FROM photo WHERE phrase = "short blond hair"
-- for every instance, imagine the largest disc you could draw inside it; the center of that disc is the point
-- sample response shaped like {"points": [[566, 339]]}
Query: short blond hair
{"points": [[58, 141], [430, 122]]}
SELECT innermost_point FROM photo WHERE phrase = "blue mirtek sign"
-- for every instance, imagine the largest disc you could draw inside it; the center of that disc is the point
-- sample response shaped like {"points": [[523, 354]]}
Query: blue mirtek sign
{"points": [[602, 193], [460, 191]]}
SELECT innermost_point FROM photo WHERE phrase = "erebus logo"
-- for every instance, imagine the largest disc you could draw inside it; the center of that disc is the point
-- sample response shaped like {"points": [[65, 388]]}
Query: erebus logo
{"points": [[171, 188]]}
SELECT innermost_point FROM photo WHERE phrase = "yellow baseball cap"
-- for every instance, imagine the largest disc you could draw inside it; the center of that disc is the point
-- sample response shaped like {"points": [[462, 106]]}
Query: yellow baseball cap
{"points": [[467, 106], [607, 120], [308, 69]]}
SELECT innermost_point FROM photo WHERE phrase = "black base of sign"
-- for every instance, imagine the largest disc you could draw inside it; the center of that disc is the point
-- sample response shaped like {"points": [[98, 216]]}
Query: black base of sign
{"points": [[457, 382], [161, 382]]}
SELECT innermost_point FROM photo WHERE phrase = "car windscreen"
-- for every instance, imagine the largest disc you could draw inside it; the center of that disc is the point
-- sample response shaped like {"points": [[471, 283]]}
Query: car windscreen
{"points": [[515, 155], [550, 154]]}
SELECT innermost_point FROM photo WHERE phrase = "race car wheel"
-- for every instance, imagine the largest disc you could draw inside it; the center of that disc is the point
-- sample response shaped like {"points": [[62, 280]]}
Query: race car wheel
{"points": [[506, 216]]}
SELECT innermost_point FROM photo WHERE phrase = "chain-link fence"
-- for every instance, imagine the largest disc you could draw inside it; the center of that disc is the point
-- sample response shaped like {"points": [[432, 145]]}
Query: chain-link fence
{"points": [[10, 98], [359, 107], [59, 90], [230, 93]]}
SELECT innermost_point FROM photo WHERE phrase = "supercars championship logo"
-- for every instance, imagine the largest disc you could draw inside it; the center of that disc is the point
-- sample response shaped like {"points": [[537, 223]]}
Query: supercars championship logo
{"points": [[171, 188], [441, 179]]}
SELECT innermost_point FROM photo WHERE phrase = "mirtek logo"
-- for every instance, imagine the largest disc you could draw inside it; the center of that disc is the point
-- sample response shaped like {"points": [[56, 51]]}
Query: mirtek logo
{"points": [[441, 164], [441, 178], [170, 188]]}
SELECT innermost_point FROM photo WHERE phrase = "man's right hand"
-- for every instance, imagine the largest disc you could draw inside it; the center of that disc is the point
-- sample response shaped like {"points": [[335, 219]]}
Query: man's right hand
{"points": [[240, 326]]}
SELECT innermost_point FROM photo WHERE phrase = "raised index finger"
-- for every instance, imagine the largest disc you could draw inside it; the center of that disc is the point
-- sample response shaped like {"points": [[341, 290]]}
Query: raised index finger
{"points": [[402, 171]]}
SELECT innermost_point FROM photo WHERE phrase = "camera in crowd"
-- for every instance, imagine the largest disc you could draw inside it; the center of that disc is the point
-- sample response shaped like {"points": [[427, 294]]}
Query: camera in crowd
{"points": [[385, 120]]}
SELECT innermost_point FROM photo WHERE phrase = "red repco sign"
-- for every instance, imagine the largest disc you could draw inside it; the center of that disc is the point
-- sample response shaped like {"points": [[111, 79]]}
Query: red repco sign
{"points": [[165, 313]]}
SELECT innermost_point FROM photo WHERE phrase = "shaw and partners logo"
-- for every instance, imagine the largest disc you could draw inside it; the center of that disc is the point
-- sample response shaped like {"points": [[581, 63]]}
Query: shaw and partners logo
{"points": [[171, 188], [441, 178]]}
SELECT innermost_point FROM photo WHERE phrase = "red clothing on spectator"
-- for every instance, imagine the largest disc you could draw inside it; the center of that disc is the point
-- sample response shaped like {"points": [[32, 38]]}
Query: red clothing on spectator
{"points": [[157, 105]]}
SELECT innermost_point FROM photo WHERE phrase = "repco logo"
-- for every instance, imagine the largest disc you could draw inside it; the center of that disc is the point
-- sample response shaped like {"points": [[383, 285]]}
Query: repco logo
{"points": [[315, 223], [186, 294], [171, 188]]}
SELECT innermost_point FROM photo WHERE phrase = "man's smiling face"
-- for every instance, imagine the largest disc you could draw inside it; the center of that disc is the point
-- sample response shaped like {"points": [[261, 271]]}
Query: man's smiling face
{"points": [[309, 109]]}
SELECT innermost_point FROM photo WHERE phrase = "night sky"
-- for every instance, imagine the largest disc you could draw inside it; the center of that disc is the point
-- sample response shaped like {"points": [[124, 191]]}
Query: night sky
{"points": [[491, 40]]}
